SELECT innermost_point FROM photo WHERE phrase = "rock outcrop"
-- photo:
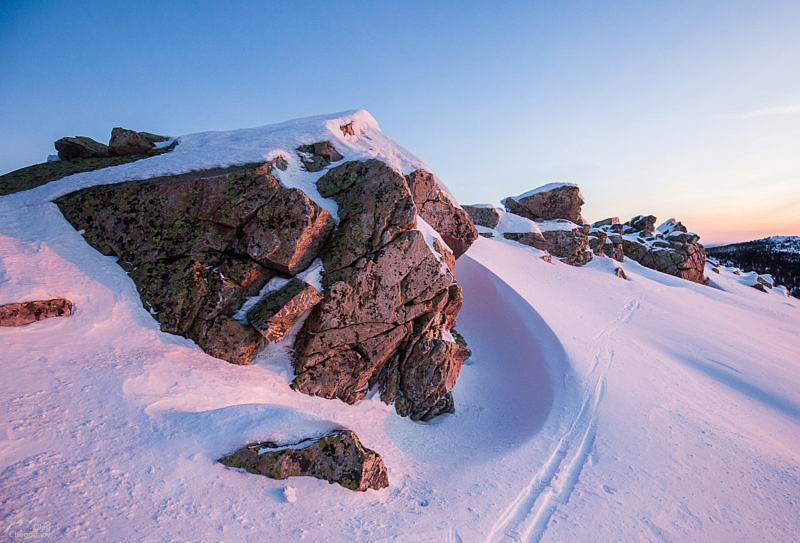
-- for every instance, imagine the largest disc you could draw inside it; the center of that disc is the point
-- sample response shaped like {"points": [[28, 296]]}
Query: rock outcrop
{"points": [[447, 218], [483, 215], [71, 148], [198, 244], [129, 142], [552, 201], [669, 249], [339, 457], [19, 314], [568, 241], [387, 304], [641, 223]]}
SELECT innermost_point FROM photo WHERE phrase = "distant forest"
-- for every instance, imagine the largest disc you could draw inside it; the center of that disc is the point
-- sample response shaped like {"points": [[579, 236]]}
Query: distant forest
{"points": [[781, 259]]}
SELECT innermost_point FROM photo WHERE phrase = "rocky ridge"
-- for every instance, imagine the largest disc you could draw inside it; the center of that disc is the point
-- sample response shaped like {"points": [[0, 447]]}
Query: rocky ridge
{"points": [[199, 245], [549, 218]]}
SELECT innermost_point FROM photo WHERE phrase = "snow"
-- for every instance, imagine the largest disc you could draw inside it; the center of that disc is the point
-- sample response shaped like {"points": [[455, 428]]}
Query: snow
{"points": [[544, 188], [514, 223], [592, 408]]}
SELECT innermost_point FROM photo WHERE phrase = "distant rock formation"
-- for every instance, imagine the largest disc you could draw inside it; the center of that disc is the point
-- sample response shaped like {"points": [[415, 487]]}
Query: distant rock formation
{"points": [[19, 314], [338, 457], [197, 245], [552, 201], [128, 142], [547, 218], [80, 147], [557, 227], [123, 142], [669, 249]]}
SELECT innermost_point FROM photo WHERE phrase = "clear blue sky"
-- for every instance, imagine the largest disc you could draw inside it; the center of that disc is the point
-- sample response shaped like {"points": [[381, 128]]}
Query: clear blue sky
{"points": [[687, 109]]}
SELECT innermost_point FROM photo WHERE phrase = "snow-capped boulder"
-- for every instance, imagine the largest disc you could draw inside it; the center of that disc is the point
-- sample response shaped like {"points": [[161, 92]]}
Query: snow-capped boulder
{"points": [[198, 244], [19, 314], [641, 223], [128, 142], [597, 241], [80, 147], [446, 217], [338, 457], [551, 201]]}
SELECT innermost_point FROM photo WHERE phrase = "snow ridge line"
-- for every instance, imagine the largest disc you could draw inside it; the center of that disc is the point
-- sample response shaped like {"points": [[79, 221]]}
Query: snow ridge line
{"points": [[527, 517]]}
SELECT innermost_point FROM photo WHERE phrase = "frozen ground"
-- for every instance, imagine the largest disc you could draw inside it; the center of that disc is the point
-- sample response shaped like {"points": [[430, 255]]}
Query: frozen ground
{"points": [[592, 409]]}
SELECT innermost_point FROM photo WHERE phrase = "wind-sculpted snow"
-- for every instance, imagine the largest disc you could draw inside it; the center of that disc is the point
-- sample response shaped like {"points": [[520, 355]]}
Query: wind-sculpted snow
{"points": [[592, 409]]}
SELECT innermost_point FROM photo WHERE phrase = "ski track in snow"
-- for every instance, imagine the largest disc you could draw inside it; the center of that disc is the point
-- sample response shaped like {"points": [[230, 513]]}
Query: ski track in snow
{"points": [[526, 518]]}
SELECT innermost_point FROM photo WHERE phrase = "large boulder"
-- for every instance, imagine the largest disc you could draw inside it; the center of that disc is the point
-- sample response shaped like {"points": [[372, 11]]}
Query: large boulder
{"points": [[388, 302], [483, 215], [436, 208], [19, 314], [338, 457], [552, 201], [198, 244], [128, 142], [80, 147]]}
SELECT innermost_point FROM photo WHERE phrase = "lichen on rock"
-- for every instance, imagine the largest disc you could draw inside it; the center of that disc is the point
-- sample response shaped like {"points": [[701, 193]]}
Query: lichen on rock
{"points": [[338, 457]]}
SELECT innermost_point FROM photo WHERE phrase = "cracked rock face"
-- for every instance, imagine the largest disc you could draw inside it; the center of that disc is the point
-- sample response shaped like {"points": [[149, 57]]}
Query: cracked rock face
{"points": [[570, 245], [197, 245], [338, 457], [387, 304], [451, 221]]}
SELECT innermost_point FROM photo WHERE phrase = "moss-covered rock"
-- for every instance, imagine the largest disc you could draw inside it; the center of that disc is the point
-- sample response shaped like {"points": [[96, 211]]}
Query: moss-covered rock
{"points": [[33, 176], [197, 244]]}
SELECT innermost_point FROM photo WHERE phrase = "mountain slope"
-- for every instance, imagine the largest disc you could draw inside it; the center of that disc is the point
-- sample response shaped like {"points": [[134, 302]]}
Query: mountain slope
{"points": [[778, 256], [592, 408]]}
